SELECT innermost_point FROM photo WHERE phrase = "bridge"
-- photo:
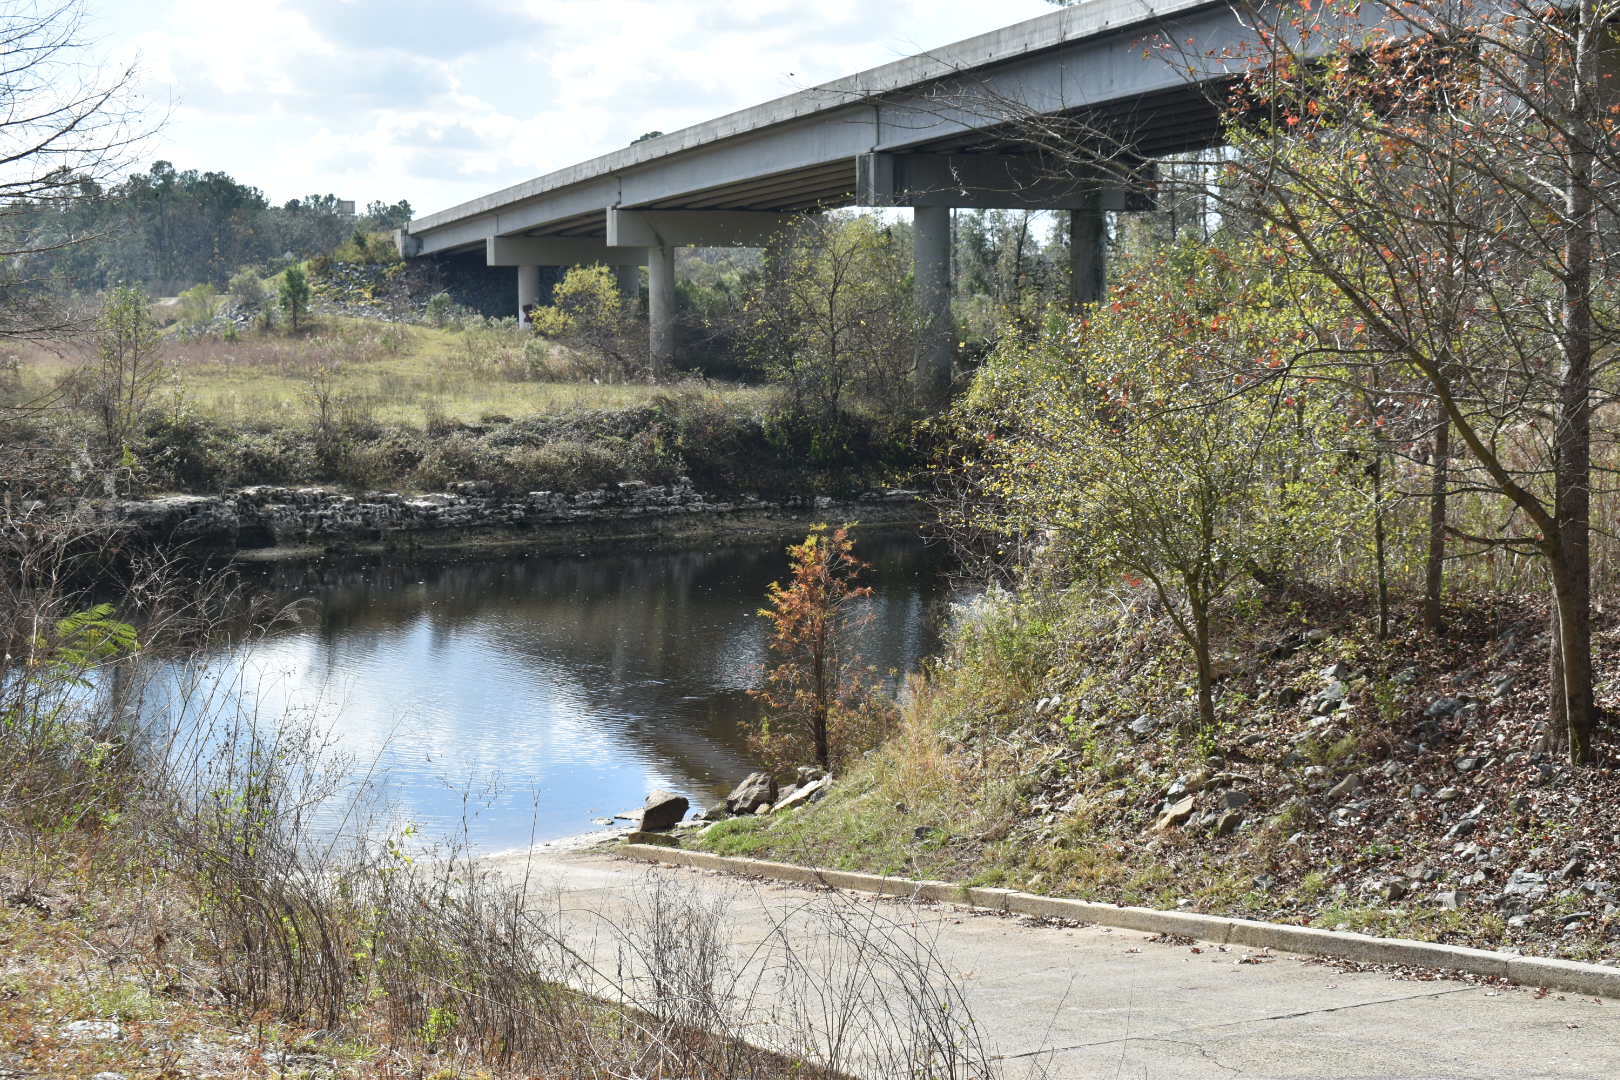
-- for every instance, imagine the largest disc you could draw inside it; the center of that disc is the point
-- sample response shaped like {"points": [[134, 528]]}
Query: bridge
{"points": [[931, 132]]}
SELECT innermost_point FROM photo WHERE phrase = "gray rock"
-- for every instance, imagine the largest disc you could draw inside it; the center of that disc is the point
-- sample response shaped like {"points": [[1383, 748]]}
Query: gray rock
{"points": [[1405, 677], [805, 793], [1446, 900], [806, 773], [1468, 763], [1464, 827], [1336, 672], [93, 1029], [663, 811], [1316, 635], [1523, 891], [1227, 823], [756, 790], [1143, 725], [1175, 814], [1445, 706], [1235, 799], [1332, 697], [1446, 794], [1387, 888], [1346, 787]]}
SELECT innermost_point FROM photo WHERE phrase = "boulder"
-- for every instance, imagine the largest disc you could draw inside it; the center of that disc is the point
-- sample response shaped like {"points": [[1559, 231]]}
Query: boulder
{"points": [[756, 790], [1346, 787], [1175, 814], [663, 811], [805, 793]]}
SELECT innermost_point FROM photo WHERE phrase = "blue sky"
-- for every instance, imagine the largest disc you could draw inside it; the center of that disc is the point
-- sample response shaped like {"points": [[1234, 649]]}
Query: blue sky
{"points": [[439, 102]]}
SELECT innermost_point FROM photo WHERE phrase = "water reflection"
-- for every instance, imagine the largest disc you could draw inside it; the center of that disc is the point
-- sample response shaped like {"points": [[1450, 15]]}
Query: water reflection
{"points": [[554, 690]]}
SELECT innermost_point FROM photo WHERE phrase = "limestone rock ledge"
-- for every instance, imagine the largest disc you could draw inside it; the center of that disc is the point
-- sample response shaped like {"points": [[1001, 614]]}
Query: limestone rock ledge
{"points": [[274, 517]]}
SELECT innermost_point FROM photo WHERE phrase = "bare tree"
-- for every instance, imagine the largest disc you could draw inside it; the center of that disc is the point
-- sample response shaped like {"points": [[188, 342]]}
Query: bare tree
{"points": [[67, 124], [1450, 170]]}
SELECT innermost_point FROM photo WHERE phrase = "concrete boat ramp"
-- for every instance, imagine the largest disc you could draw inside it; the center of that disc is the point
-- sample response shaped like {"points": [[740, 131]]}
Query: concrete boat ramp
{"points": [[1090, 1002]]}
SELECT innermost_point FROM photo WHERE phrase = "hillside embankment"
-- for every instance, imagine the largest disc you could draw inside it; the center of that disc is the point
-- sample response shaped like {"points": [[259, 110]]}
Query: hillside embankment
{"points": [[1391, 786]]}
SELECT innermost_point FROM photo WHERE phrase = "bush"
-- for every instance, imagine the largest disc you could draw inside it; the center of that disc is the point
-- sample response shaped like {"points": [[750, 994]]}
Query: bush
{"points": [[443, 311], [587, 314], [198, 307], [181, 451]]}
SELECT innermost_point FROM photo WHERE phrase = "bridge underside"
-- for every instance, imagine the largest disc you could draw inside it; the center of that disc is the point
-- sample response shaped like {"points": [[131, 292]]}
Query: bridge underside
{"points": [[988, 123]]}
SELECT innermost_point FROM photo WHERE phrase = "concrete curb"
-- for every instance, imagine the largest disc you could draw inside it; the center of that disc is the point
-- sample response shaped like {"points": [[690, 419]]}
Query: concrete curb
{"points": [[1567, 975]]}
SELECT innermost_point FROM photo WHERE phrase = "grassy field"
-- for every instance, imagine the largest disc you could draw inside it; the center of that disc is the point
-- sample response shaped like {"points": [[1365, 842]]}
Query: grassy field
{"points": [[392, 374]]}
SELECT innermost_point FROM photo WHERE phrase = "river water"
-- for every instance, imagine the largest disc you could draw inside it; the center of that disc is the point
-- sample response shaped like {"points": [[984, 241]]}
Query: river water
{"points": [[520, 698]]}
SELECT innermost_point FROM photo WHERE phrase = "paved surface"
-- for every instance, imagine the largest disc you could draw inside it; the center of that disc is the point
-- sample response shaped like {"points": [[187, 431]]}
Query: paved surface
{"points": [[1093, 1002]]}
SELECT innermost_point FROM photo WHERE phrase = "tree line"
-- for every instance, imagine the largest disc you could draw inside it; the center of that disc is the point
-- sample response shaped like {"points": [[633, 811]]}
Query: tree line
{"points": [[168, 229]]}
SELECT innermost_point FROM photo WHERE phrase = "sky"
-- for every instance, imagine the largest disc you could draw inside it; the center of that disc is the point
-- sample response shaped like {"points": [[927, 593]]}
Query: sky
{"points": [[440, 101]]}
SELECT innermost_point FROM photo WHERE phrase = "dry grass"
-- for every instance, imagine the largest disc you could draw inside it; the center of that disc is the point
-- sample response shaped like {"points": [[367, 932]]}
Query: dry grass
{"points": [[173, 910], [395, 374]]}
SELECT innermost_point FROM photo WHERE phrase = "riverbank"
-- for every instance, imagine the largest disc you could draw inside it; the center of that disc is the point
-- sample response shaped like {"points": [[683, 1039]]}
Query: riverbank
{"points": [[271, 523], [1392, 787]]}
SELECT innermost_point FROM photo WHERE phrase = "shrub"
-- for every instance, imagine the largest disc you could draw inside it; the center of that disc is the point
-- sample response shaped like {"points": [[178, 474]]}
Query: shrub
{"points": [[441, 310], [815, 692], [198, 307], [589, 316], [295, 293]]}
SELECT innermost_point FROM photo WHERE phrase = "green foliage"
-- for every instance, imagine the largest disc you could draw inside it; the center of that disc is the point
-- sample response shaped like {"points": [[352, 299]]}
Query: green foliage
{"points": [[129, 366], [442, 310], [1154, 441], [198, 306], [294, 294], [371, 248], [168, 229], [588, 314], [830, 319]]}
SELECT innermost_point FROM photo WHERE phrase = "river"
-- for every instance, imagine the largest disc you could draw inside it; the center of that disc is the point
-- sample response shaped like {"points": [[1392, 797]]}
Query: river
{"points": [[523, 698]]}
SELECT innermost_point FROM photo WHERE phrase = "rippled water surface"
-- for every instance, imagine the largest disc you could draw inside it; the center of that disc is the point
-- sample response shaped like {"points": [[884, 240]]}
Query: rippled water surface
{"points": [[530, 695]]}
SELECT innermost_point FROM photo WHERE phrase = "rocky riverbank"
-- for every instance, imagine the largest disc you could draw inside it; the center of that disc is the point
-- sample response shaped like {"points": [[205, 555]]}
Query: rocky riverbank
{"points": [[268, 520]]}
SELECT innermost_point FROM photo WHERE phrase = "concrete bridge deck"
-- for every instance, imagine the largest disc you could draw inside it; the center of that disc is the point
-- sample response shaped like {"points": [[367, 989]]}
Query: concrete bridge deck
{"points": [[932, 132]]}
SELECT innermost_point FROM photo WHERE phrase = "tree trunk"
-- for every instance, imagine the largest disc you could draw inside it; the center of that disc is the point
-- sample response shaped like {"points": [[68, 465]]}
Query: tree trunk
{"points": [[1572, 434], [819, 711], [1434, 572], [1206, 669], [1380, 546]]}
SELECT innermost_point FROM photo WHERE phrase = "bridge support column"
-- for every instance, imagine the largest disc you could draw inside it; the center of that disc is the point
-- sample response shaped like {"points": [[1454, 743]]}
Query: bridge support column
{"points": [[661, 308], [936, 338], [628, 279], [1088, 254], [528, 291]]}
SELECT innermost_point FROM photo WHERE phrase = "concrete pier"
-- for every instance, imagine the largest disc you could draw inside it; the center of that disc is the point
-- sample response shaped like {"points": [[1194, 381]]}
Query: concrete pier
{"points": [[936, 336]]}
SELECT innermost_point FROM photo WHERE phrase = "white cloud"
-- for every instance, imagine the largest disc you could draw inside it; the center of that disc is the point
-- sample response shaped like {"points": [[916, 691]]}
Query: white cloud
{"points": [[438, 102]]}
